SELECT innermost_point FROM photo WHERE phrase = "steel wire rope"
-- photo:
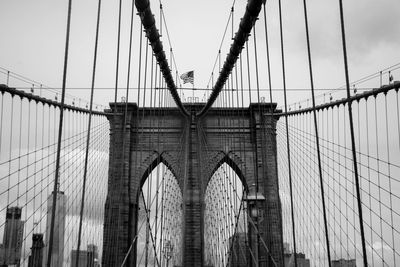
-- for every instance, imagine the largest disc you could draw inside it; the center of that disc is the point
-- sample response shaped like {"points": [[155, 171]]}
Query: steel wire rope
{"points": [[27, 159], [343, 176], [158, 162], [234, 148], [68, 186], [360, 215], [340, 165], [55, 189], [149, 173], [42, 172], [163, 107], [390, 184], [173, 61], [19, 151], [314, 112], [263, 242], [77, 189], [1, 123], [287, 131], [35, 160], [359, 81], [261, 120], [130, 213], [227, 145], [117, 56], [244, 144], [302, 148], [141, 133], [236, 227], [9, 151], [207, 149], [301, 170], [331, 188], [147, 216], [221, 43], [151, 127], [218, 173], [283, 160], [31, 82], [88, 133], [398, 114], [32, 163], [361, 153]]}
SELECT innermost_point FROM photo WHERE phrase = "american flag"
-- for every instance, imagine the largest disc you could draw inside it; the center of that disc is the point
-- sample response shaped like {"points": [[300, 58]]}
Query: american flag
{"points": [[188, 77]]}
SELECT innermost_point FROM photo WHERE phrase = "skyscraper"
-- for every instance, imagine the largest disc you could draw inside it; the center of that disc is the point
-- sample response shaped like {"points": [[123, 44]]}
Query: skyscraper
{"points": [[87, 258], [93, 255], [302, 261], [83, 258], [10, 251], [36, 257], [57, 253], [344, 263]]}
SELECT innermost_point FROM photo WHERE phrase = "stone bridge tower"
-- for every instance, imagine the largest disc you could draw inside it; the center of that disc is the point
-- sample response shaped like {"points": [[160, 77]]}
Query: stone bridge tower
{"points": [[251, 152]]}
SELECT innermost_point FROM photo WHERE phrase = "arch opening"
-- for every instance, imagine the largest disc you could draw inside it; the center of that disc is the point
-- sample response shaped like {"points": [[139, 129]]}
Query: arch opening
{"points": [[159, 219], [233, 161], [225, 218]]}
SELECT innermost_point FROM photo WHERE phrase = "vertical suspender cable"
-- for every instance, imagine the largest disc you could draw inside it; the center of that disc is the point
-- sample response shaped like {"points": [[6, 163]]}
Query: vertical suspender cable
{"points": [[56, 176], [248, 70], [115, 98], [316, 125], [88, 133], [130, 237], [261, 128], [287, 131], [117, 64], [267, 51], [353, 146]]}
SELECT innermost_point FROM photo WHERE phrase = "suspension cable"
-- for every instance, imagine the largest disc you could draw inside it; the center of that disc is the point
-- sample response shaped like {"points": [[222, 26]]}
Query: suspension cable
{"points": [[253, 8], [353, 145], [88, 133], [56, 176], [287, 130], [147, 18]]}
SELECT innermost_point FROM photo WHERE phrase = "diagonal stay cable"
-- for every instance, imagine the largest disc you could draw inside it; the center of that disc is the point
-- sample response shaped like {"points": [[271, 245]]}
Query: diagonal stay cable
{"points": [[253, 8]]}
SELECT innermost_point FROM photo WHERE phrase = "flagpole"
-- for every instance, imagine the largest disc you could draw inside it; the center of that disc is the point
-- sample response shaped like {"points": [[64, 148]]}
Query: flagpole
{"points": [[193, 87]]}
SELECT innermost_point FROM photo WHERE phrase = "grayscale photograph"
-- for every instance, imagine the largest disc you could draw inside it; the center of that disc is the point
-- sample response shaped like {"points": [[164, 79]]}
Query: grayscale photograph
{"points": [[172, 133]]}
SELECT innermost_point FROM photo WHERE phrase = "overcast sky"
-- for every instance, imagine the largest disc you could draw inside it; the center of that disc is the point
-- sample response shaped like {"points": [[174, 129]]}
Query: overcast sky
{"points": [[33, 34]]}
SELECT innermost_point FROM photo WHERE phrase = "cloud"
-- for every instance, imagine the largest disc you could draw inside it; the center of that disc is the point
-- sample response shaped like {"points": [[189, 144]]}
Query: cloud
{"points": [[379, 246], [368, 24]]}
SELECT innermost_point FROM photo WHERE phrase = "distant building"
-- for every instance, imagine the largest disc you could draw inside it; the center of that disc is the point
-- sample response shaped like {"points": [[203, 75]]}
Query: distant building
{"points": [[10, 250], [238, 257], [87, 258], [83, 258], [301, 260], [36, 257], [286, 248], [57, 253], [289, 257], [344, 263], [93, 254]]}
